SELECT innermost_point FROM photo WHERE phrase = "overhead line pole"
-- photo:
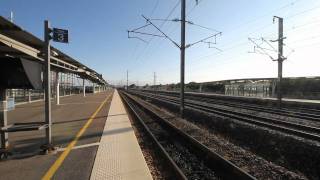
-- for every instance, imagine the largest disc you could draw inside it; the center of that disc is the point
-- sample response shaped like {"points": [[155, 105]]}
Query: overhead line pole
{"points": [[280, 57], [182, 46], [154, 81], [280, 60], [182, 55]]}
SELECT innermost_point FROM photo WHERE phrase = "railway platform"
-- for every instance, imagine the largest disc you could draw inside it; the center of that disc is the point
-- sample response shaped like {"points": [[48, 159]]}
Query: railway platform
{"points": [[119, 155], [89, 142]]}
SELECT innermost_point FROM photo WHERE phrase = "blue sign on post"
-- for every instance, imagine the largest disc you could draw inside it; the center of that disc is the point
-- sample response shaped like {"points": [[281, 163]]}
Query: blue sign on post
{"points": [[60, 35]]}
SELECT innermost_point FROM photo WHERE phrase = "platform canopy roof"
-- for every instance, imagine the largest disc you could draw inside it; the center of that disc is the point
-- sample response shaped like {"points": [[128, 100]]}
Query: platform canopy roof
{"points": [[18, 43]]}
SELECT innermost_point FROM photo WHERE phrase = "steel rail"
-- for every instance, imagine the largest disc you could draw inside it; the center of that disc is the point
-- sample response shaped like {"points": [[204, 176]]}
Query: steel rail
{"points": [[176, 170], [285, 111], [271, 120], [299, 115], [220, 165], [291, 128], [282, 111]]}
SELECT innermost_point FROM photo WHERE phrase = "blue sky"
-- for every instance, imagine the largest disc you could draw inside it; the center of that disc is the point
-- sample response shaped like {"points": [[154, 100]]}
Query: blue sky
{"points": [[98, 36]]}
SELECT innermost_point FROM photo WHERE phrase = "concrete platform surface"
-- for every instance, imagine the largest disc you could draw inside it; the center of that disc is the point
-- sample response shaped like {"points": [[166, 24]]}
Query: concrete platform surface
{"points": [[75, 114], [119, 155]]}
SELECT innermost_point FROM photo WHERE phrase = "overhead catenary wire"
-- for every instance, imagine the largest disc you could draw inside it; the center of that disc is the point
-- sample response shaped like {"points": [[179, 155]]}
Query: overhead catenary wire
{"points": [[258, 18], [192, 23], [204, 39], [245, 43], [151, 14], [143, 33], [182, 48], [161, 25], [303, 12], [219, 53], [291, 16], [165, 35], [296, 14], [255, 30], [262, 16], [258, 47], [203, 27], [154, 8], [193, 7], [305, 39], [167, 20], [149, 22], [141, 27], [269, 24], [269, 44], [304, 25], [188, 13], [290, 5], [223, 52]]}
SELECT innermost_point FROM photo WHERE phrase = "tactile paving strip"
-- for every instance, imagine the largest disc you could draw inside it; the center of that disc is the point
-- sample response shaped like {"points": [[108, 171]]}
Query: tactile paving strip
{"points": [[119, 155]]}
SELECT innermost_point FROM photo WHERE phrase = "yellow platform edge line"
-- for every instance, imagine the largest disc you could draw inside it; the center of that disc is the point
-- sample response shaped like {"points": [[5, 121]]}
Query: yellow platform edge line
{"points": [[66, 152]]}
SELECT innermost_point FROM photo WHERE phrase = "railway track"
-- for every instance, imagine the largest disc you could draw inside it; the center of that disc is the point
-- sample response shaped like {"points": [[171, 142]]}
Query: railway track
{"points": [[301, 113], [187, 157], [303, 131]]}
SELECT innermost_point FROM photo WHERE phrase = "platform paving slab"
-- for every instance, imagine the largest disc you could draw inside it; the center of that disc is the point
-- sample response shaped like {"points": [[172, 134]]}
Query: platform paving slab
{"points": [[119, 155]]}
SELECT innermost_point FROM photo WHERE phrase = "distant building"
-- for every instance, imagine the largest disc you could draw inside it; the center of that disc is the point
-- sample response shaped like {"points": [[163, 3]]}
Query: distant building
{"points": [[256, 88]]}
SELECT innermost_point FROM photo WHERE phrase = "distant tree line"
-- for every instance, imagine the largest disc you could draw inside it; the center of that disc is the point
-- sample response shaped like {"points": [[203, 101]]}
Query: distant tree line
{"points": [[301, 88]]}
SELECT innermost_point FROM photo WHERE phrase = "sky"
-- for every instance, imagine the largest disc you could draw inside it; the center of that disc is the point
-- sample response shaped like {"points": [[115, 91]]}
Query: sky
{"points": [[98, 36]]}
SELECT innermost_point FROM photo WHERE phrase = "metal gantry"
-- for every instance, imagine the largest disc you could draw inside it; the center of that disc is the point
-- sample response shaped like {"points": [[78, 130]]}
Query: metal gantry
{"points": [[182, 45], [258, 48]]}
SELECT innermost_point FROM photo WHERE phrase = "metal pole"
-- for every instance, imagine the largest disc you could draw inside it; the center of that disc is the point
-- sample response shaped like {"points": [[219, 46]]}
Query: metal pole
{"points": [[72, 85], [47, 82], [154, 81], [69, 83], [70, 80], [64, 85], [13, 93], [11, 16], [84, 88], [3, 119], [61, 83], [57, 89], [182, 55], [127, 79], [280, 60], [79, 90], [29, 95]]}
